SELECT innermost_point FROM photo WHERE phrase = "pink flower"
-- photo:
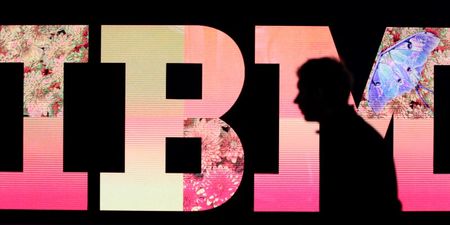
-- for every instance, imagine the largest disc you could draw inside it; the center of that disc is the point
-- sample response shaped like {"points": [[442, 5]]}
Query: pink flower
{"points": [[231, 147], [194, 196], [210, 191], [43, 52], [222, 165], [208, 130], [222, 183]]}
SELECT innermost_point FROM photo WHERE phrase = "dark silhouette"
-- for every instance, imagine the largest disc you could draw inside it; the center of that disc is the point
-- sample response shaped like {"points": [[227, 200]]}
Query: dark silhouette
{"points": [[357, 173]]}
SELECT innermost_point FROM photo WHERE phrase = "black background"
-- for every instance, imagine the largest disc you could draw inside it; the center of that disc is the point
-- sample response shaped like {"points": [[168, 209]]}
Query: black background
{"points": [[357, 45]]}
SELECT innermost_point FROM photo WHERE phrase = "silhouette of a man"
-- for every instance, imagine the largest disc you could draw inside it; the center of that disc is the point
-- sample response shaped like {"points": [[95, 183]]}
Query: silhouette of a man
{"points": [[357, 173]]}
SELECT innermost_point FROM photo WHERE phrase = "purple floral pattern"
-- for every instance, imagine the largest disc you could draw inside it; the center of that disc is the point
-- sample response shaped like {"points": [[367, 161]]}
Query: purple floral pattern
{"points": [[222, 165], [44, 50]]}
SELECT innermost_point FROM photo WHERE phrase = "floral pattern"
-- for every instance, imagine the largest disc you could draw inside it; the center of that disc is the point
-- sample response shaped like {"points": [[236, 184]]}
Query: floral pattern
{"points": [[44, 50], [222, 165], [409, 105]]}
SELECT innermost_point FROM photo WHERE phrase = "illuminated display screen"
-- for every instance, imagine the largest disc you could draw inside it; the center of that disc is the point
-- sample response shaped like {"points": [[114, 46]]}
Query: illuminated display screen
{"points": [[296, 187], [400, 87], [43, 50], [150, 118], [405, 60]]}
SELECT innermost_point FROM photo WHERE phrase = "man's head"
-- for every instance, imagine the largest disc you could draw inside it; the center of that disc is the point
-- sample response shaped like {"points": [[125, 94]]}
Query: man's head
{"points": [[324, 87]]}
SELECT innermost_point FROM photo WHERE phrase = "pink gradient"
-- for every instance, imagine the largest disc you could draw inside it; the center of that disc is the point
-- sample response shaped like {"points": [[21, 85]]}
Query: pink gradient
{"points": [[419, 188], [145, 185], [296, 187], [290, 47], [43, 185], [145, 143], [223, 71], [223, 78]]}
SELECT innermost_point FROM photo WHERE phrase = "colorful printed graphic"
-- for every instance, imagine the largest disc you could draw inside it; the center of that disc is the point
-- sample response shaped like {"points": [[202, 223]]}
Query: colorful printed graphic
{"points": [[222, 165], [43, 50], [402, 80], [410, 55], [296, 187], [400, 84], [150, 118]]}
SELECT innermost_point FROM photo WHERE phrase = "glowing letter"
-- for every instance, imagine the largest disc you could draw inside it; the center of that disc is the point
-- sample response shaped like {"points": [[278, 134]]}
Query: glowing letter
{"points": [[296, 187], [150, 118], [43, 184]]}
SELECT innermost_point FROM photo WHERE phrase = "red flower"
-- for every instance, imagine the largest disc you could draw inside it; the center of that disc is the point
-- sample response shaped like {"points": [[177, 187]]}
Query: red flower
{"points": [[56, 85], [432, 30], [396, 36], [85, 32], [46, 71], [443, 46], [85, 44], [77, 48], [55, 108], [27, 69]]}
